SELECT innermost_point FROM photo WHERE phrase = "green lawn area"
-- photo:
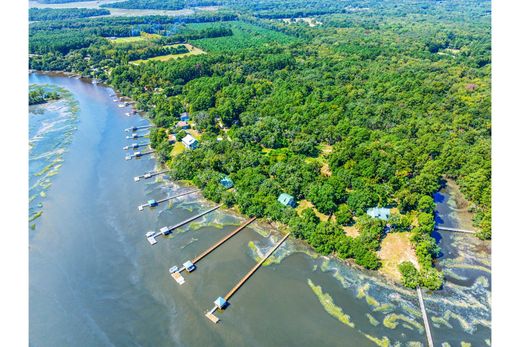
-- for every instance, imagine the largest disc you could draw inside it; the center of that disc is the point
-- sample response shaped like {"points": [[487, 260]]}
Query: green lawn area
{"points": [[133, 39], [245, 35], [192, 51]]}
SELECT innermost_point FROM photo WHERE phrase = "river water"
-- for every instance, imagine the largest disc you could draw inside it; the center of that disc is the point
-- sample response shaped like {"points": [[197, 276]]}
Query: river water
{"points": [[96, 281]]}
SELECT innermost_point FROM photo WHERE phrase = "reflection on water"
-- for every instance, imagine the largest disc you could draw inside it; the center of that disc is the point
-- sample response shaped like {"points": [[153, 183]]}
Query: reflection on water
{"points": [[94, 273]]}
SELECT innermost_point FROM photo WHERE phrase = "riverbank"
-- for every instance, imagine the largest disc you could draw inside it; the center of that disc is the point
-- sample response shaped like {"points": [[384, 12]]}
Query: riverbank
{"points": [[123, 295]]}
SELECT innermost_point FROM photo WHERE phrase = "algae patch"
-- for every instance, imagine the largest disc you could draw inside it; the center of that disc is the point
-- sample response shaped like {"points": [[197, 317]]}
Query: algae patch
{"points": [[327, 303]]}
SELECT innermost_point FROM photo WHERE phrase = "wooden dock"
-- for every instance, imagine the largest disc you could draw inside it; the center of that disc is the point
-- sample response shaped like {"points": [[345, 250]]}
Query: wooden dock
{"points": [[438, 227], [135, 146], [425, 318], [136, 136], [138, 154], [135, 128], [177, 274], [226, 298], [152, 203], [148, 175], [168, 229]]}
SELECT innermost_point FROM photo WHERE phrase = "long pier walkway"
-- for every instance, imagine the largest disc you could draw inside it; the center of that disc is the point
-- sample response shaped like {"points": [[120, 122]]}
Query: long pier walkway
{"points": [[221, 303], [150, 236], [135, 146], [438, 227], [425, 318], [152, 203], [138, 154], [190, 265], [136, 136], [148, 175]]}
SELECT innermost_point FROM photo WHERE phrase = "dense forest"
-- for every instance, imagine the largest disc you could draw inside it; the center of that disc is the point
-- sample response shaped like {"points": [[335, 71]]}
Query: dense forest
{"points": [[369, 108], [36, 14]]}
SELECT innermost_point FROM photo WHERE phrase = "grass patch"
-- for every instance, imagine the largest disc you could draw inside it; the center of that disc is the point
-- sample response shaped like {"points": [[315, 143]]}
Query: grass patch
{"points": [[134, 39], [395, 249], [192, 51], [36, 215], [327, 303], [178, 148], [362, 293]]}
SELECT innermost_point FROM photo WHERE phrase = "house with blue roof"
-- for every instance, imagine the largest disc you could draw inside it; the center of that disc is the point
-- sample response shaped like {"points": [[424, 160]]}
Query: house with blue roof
{"points": [[184, 116], [382, 213], [287, 200], [226, 182]]}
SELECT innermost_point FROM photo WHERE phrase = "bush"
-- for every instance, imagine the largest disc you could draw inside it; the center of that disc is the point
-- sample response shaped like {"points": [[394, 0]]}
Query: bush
{"points": [[410, 277], [344, 215]]}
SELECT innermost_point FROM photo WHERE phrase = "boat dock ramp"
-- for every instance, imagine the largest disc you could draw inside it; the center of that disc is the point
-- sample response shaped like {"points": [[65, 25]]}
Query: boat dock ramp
{"points": [[222, 302], [135, 128], [153, 203], [189, 266], [151, 235], [148, 175], [135, 146], [138, 154]]}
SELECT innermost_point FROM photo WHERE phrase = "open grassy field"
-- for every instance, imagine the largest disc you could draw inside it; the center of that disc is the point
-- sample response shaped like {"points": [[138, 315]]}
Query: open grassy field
{"points": [[133, 39], [245, 35], [396, 248], [192, 51]]}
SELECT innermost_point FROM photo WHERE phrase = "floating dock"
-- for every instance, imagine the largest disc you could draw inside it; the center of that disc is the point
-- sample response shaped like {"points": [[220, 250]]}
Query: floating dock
{"points": [[223, 302], [135, 146], [455, 230], [425, 318], [148, 175], [151, 235], [135, 128], [153, 203], [176, 272], [138, 154]]}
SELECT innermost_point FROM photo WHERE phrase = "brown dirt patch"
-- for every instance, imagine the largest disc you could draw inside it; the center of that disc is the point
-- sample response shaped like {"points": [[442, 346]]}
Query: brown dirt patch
{"points": [[396, 248]]}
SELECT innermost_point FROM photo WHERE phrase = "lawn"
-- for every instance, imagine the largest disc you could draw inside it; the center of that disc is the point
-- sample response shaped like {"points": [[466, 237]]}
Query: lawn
{"points": [[133, 39]]}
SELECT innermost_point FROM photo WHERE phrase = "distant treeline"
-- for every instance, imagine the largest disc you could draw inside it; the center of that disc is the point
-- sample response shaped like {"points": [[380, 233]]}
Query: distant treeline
{"points": [[42, 14], [65, 35], [161, 4]]}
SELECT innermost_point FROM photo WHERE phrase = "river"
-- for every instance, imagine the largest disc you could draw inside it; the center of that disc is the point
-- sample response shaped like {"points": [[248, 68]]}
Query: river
{"points": [[96, 281]]}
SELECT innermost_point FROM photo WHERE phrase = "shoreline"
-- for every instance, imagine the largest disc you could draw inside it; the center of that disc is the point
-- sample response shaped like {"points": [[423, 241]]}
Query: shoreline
{"points": [[233, 210]]}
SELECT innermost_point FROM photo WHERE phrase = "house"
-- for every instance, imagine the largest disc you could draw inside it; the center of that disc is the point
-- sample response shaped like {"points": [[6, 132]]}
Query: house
{"points": [[171, 139], [183, 125], [226, 182], [287, 200], [221, 303], [382, 213], [189, 266], [189, 142], [184, 116]]}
